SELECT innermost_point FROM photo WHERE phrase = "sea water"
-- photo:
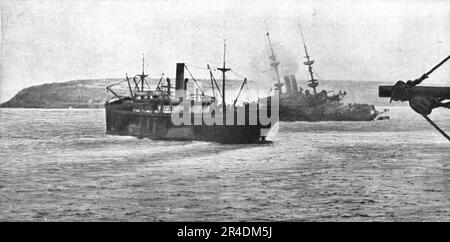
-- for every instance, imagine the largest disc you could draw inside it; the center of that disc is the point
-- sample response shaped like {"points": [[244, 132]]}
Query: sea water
{"points": [[60, 165]]}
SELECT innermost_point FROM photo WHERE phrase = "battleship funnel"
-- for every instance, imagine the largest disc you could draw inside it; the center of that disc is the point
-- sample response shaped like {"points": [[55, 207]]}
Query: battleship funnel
{"points": [[294, 83], [288, 84]]}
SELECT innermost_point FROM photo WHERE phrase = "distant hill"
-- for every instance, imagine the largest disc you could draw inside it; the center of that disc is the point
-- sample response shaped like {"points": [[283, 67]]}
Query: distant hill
{"points": [[92, 93], [75, 94]]}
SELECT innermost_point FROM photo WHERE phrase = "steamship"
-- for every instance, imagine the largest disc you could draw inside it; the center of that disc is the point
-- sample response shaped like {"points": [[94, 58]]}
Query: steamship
{"points": [[150, 114]]}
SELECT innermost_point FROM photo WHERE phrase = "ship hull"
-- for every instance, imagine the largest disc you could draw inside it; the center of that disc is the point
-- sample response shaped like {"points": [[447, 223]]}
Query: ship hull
{"points": [[312, 115], [318, 118], [159, 126], [295, 108]]}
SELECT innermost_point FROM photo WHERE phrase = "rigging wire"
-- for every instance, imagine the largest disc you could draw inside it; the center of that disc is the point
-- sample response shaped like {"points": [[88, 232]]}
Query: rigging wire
{"points": [[317, 74], [147, 83], [196, 66], [237, 74], [436, 127], [117, 83], [213, 80], [213, 68], [203, 93]]}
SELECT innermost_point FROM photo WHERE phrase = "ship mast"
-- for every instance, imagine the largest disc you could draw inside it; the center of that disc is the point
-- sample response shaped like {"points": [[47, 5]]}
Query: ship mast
{"points": [[142, 76], [313, 82], [274, 63], [224, 70]]}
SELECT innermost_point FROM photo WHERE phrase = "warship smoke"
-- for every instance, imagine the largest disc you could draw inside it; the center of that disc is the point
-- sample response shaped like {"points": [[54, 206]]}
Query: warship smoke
{"points": [[262, 71]]}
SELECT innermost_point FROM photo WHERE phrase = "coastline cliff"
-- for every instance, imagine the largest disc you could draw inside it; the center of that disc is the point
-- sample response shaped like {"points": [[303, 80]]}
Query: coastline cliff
{"points": [[72, 94]]}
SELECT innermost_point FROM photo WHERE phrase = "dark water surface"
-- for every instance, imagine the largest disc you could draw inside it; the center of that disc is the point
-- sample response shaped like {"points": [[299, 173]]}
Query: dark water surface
{"points": [[59, 165]]}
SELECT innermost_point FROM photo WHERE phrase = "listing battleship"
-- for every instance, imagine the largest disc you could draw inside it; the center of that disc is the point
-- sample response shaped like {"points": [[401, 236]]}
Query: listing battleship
{"points": [[298, 105]]}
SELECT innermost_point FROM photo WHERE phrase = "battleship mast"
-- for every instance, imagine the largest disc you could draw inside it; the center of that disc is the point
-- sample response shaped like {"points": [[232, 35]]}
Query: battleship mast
{"points": [[313, 82], [275, 64]]}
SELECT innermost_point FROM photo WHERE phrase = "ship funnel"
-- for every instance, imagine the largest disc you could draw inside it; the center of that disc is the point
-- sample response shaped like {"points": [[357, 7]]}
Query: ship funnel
{"points": [[179, 81], [294, 83], [185, 84], [169, 86], [288, 84]]}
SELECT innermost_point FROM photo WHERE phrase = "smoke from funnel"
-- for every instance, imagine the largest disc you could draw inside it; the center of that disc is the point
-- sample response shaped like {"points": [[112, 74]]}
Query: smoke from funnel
{"points": [[265, 73]]}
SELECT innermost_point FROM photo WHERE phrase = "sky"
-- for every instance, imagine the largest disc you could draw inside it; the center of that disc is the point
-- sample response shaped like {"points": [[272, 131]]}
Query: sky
{"points": [[59, 40]]}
